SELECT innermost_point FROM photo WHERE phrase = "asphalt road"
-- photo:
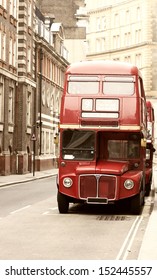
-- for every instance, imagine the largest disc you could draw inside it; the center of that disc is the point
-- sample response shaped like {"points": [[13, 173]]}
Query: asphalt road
{"points": [[31, 227]]}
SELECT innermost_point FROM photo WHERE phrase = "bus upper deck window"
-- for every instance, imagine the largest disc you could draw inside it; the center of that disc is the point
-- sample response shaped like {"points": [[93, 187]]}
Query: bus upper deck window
{"points": [[116, 85], [83, 85]]}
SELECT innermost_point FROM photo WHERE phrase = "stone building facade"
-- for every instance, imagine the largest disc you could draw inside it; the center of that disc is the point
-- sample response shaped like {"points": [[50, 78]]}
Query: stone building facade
{"points": [[26, 85], [8, 84], [33, 60], [51, 63], [126, 31]]}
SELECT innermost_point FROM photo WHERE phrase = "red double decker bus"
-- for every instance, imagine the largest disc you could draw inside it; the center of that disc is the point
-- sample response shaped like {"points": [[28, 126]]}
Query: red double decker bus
{"points": [[103, 131], [150, 146]]}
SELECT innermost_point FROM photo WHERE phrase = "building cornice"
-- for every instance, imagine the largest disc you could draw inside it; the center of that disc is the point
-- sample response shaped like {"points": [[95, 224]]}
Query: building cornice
{"points": [[8, 74], [27, 81], [40, 42], [143, 44], [107, 7]]}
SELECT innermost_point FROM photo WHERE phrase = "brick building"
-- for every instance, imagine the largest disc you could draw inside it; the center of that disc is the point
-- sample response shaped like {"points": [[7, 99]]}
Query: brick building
{"points": [[8, 83], [33, 60]]}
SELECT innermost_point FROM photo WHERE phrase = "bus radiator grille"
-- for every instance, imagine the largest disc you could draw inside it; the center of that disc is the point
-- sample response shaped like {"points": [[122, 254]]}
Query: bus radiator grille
{"points": [[100, 186]]}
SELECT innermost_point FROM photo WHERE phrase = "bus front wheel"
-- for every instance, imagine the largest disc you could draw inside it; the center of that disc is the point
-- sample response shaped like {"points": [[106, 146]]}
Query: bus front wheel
{"points": [[63, 203]]}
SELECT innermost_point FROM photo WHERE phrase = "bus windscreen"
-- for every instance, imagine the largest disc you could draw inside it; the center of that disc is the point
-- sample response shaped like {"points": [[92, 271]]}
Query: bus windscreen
{"points": [[78, 145]]}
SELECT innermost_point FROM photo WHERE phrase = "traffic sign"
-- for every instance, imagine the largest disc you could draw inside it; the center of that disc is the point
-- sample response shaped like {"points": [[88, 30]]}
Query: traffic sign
{"points": [[33, 137]]}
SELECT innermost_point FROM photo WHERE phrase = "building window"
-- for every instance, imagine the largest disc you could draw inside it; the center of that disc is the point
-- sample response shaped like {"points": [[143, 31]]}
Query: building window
{"points": [[29, 108], [10, 106], [138, 13], [51, 143], [3, 50], [47, 142], [127, 59], [127, 17], [98, 24], [0, 44], [29, 13], [97, 45], [138, 36], [57, 104], [51, 68], [1, 102], [43, 148], [138, 60], [87, 46], [52, 100], [116, 41], [103, 44], [127, 37], [48, 97], [103, 23], [48, 68], [88, 26], [13, 8], [29, 60], [116, 20], [3, 3], [43, 94], [12, 52]]}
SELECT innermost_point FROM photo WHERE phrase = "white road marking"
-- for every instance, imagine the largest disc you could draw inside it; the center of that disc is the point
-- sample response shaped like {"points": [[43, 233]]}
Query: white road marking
{"points": [[126, 248], [48, 212], [20, 209]]}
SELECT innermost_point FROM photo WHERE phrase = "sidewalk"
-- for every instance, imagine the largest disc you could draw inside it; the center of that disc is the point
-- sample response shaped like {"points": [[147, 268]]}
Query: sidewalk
{"points": [[16, 179], [148, 250]]}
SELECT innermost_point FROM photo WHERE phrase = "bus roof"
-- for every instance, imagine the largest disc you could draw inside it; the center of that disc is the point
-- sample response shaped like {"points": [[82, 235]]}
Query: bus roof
{"points": [[102, 67]]}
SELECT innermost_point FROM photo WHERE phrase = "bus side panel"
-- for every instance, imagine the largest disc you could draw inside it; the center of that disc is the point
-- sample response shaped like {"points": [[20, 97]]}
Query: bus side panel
{"points": [[70, 110]]}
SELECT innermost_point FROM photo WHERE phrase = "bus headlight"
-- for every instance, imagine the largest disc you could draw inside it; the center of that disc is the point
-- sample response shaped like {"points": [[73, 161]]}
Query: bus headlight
{"points": [[67, 182], [128, 184]]}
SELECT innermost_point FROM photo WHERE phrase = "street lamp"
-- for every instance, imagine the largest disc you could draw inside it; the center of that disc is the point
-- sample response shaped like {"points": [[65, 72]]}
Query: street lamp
{"points": [[40, 99]]}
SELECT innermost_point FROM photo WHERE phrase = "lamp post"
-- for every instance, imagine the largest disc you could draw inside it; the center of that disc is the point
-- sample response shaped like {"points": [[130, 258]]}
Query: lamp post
{"points": [[33, 138], [40, 99]]}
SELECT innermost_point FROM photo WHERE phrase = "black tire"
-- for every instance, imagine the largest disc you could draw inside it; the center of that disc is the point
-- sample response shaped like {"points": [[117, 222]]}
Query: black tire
{"points": [[63, 203], [136, 204], [148, 187]]}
